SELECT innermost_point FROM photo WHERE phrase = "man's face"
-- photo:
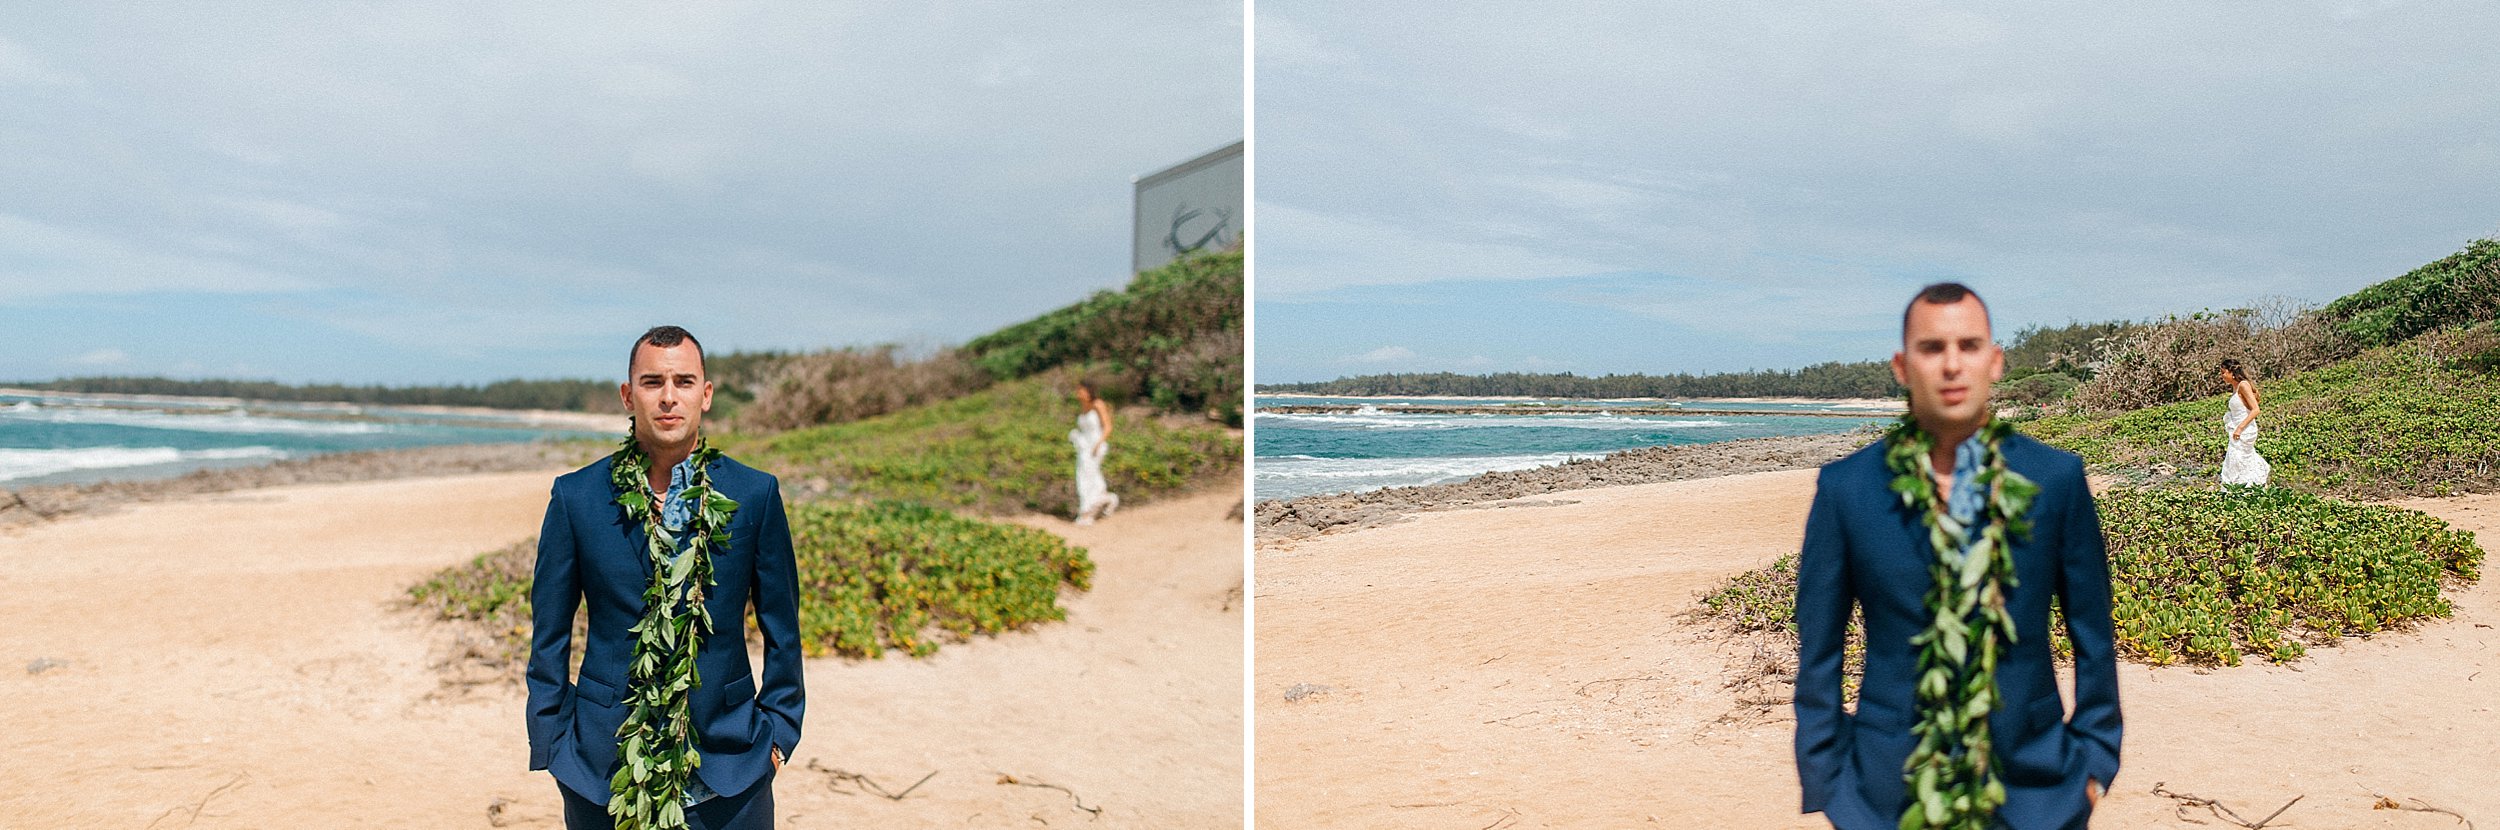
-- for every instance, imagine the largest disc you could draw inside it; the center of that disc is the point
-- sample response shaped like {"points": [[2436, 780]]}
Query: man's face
{"points": [[1949, 361], [667, 394]]}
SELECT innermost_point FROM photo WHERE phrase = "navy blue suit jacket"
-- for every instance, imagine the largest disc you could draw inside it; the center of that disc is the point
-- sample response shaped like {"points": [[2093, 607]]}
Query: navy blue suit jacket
{"points": [[589, 551], [1864, 548]]}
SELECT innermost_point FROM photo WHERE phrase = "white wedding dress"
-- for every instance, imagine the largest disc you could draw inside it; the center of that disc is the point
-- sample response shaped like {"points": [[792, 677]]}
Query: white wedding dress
{"points": [[1093, 494], [2240, 462]]}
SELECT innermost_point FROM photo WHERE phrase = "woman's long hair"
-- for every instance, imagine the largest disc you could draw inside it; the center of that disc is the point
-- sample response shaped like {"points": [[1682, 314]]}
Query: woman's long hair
{"points": [[2238, 374]]}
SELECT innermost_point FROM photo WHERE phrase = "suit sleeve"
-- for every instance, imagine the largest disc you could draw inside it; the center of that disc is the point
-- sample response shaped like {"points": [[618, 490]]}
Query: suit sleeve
{"points": [[782, 695], [1823, 603], [555, 591], [2084, 593]]}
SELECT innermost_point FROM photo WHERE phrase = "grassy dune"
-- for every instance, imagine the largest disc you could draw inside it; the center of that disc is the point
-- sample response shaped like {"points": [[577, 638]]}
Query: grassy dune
{"points": [[1002, 449], [2419, 418], [2207, 574]]}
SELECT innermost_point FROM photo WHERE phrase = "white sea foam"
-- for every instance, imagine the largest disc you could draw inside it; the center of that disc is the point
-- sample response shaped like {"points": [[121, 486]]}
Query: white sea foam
{"points": [[234, 421], [1377, 420], [30, 463], [1291, 476]]}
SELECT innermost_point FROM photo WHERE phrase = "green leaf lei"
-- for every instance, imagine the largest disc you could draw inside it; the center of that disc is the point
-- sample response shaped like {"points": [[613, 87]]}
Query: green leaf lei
{"points": [[1952, 775], [657, 740]]}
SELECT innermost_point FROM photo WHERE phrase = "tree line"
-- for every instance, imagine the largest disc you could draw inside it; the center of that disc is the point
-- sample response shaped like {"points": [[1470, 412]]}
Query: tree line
{"points": [[579, 395], [1863, 379]]}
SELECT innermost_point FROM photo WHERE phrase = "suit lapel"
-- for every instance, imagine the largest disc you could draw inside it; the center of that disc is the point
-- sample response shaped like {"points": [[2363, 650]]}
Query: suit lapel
{"points": [[637, 544]]}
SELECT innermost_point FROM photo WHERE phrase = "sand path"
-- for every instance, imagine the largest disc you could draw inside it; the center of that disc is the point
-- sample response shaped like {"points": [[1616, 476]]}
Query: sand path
{"points": [[1523, 667], [235, 661]]}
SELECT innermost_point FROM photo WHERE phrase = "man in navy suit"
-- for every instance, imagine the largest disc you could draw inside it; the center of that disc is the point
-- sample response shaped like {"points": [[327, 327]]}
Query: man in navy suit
{"points": [[589, 550], [1864, 548]]}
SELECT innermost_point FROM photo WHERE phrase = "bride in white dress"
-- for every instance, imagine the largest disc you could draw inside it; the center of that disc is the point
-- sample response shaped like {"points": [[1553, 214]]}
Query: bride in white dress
{"points": [[1092, 437], [2240, 462]]}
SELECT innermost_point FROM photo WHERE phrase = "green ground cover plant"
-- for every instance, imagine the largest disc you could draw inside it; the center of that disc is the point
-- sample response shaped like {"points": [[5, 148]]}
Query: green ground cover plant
{"points": [[490, 593], [890, 574], [2207, 575], [1002, 449], [872, 576]]}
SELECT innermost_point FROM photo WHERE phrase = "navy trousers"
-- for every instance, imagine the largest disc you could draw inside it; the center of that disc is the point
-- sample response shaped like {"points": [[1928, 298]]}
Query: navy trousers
{"points": [[750, 810]]}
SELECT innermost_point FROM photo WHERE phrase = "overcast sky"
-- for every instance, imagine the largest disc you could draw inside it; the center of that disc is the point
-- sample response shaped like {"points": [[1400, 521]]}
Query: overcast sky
{"points": [[1643, 187], [430, 192]]}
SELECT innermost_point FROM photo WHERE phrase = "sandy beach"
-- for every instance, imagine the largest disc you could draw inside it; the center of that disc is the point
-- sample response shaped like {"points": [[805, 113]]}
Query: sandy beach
{"points": [[1526, 665], [239, 659]]}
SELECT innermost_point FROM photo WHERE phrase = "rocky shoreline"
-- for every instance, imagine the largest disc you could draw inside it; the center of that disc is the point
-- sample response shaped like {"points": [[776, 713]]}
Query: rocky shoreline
{"points": [[1283, 520], [44, 503]]}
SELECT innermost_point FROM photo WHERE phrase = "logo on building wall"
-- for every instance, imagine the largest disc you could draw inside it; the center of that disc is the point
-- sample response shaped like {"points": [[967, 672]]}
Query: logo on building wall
{"points": [[1197, 228]]}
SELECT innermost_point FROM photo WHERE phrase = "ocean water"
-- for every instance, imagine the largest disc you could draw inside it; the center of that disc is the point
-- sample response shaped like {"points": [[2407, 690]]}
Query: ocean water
{"points": [[1301, 455], [64, 439]]}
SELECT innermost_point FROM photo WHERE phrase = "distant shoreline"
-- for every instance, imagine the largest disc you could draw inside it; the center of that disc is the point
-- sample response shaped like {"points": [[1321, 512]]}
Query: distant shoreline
{"points": [[532, 417], [46, 502], [1890, 404], [1280, 520]]}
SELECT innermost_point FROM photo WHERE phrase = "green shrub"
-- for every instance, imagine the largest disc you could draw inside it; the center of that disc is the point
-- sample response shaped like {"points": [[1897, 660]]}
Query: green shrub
{"points": [[2180, 358], [2070, 349], [1763, 602], [1174, 331], [2204, 575], [2418, 418], [882, 575], [492, 592], [1001, 449], [2462, 288], [2038, 389], [842, 385]]}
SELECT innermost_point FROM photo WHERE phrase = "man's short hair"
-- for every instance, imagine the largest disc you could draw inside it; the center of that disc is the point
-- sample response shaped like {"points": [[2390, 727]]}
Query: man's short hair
{"points": [[663, 337], [1942, 293]]}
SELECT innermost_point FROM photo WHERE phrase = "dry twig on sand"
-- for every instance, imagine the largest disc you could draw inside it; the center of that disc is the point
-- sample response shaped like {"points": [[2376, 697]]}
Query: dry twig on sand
{"points": [[238, 779], [2418, 806], [1004, 778], [840, 776], [2187, 800]]}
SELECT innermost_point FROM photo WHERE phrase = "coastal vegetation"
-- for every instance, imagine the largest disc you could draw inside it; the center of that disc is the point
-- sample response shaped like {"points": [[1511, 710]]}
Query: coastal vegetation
{"points": [[1173, 338], [2205, 575], [2391, 391], [872, 576], [2417, 418], [885, 574], [1002, 449], [2208, 576], [843, 385], [894, 465], [2061, 356]]}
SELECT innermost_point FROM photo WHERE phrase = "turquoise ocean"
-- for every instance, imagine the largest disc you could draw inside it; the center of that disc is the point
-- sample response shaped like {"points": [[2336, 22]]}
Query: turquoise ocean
{"points": [[1367, 449], [68, 439]]}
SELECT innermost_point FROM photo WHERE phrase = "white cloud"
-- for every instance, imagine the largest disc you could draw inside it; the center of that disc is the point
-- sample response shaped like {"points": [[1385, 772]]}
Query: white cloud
{"points": [[38, 259], [102, 357], [1384, 354], [1336, 251], [19, 65], [2071, 163]]}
